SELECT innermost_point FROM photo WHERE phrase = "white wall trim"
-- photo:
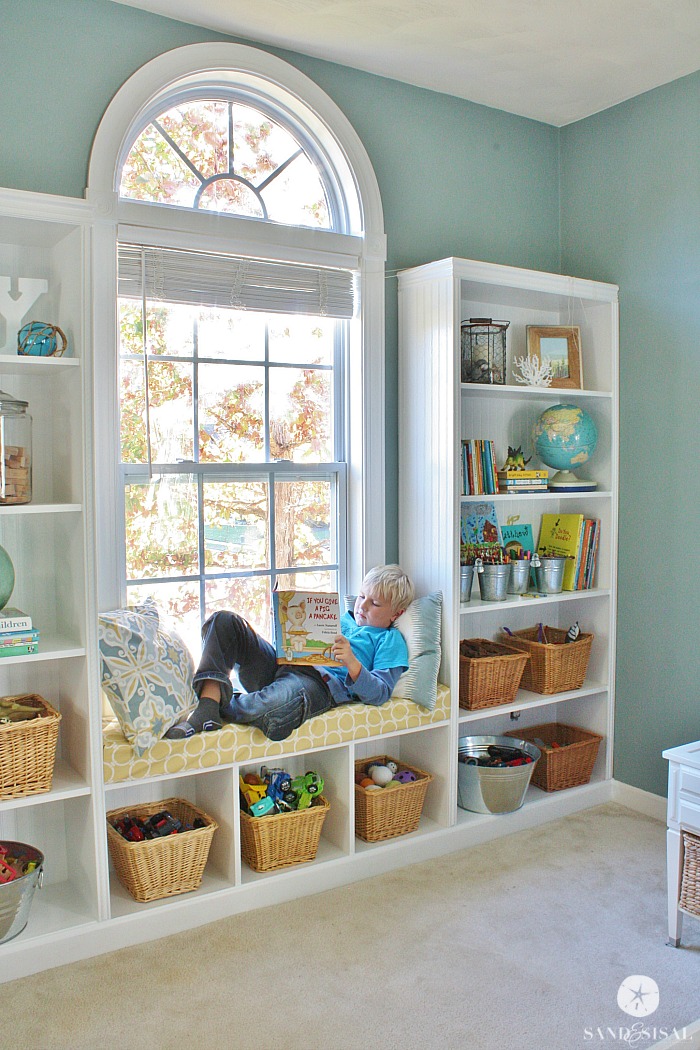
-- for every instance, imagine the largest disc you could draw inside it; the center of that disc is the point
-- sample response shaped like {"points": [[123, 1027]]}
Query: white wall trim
{"points": [[645, 802]]}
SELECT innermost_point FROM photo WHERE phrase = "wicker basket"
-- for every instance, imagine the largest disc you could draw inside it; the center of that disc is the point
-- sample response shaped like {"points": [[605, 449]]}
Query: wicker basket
{"points": [[690, 886], [281, 839], [28, 750], [162, 867], [565, 766], [556, 665], [492, 678], [384, 814]]}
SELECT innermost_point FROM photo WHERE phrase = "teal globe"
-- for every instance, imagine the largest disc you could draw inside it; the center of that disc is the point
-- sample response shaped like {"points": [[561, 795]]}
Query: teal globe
{"points": [[7, 577], [565, 438]]}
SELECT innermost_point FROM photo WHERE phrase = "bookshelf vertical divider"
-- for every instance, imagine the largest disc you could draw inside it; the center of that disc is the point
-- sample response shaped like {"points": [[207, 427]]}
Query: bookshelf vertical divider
{"points": [[436, 413]]}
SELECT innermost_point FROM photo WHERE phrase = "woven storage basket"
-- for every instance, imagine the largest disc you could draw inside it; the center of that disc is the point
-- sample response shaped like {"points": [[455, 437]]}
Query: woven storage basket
{"points": [[491, 679], [281, 839], [28, 750], [556, 665], [565, 766], [163, 867], [690, 885], [384, 814]]}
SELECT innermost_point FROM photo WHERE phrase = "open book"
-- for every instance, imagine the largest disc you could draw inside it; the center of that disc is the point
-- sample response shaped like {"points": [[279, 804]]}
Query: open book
{"points": [[306, 622]]}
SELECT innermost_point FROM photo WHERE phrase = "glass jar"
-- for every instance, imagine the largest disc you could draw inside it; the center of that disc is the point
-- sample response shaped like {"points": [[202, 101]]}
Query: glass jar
{"points": [[15, 450]]}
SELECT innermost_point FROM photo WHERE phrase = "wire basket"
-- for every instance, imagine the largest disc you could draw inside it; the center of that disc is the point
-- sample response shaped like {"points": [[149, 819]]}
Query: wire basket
{"points": [[28, 749], [382, 814], [690, 886], [281, 839], [490, 678], [555, 665], [161, 867], [568, 765]]}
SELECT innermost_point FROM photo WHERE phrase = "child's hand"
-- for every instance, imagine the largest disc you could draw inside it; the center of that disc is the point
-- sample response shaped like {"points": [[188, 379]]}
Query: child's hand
{"points": [[342, 652]]}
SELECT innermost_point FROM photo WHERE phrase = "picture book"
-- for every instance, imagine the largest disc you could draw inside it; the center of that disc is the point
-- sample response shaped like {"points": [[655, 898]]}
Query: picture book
{"points": [[480, 523], [12, 619], [560, 535], [306, 622], [10, 638], [517, 538]]}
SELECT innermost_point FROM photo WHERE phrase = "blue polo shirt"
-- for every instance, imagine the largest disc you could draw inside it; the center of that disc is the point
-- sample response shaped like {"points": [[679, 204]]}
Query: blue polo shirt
{"points": [[383, 654]]}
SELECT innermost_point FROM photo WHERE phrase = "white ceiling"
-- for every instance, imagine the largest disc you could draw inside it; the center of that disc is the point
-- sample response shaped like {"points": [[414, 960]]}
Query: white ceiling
{"points": [[556, 61]]}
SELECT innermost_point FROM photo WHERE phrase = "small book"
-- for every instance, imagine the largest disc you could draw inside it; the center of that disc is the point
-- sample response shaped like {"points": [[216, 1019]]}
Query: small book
{"points": [[306, 623], [10, 638], [19, 650], [12, 619], [523, 475], [518, 540]]}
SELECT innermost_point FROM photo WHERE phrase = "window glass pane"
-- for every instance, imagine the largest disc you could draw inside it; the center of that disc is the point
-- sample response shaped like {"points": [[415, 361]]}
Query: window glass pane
{"points": [[231, 195], [295, 339], [300, 415], [303, 533], [170, 411], [231, 413], [161, 527], [309, 581], [179, 604], [154, 172], [169, 329], [296, 196], [248, 596], [132, 384], [238, 335], [200, 130], [236, 516]]}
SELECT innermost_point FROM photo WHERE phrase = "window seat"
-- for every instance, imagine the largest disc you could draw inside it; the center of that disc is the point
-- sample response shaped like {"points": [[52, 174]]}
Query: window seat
{"points": [[237, 743]]}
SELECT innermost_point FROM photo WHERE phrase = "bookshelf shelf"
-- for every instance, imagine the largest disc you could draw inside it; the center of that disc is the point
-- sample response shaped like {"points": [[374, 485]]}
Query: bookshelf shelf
{"points": [[437, 412]]}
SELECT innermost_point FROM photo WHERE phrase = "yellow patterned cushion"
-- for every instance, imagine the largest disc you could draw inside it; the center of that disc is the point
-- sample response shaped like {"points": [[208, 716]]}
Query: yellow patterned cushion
{"points": [[236, 743]]}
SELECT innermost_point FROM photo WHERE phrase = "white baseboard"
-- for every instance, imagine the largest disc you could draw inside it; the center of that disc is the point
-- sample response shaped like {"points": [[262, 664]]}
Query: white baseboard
{"points": [[642, 801]]}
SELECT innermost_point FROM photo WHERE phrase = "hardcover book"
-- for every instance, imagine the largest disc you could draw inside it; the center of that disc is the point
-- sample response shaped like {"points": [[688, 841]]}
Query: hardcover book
{"points": [[560, 535], [518, 539], [306, 623], [12, 619]]}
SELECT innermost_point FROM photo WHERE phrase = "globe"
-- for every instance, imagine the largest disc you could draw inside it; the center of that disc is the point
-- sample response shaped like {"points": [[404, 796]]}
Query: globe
{"points": [[565, 438], [7, 577]]}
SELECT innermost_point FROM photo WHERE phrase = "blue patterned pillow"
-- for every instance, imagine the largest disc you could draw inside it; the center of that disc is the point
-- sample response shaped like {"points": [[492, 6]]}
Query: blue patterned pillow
{"points": [[146, 673], [420, 626]]}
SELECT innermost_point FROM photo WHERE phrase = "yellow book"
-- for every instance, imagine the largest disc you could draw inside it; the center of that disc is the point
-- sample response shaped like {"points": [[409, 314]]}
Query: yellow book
{"points": [[560, 535]]}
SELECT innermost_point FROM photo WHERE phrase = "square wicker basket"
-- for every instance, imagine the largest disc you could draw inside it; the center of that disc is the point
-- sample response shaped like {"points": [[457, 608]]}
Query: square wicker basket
{"points": [[281, 839], [555, 665], [28, 749], [565, 766], [161, 867], [690, 885], [383, 814], [492, 677]]}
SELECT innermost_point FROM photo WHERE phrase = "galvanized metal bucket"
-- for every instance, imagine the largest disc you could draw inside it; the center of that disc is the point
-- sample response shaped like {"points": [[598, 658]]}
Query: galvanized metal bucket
{"points": [[493, 582], [549, 574], [466, 577], [493, 789], [519, 576], [16, 896]]}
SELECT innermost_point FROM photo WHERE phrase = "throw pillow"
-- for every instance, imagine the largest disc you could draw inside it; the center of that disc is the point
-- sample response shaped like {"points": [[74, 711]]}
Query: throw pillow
{"points": [[420, 626], [146, 673]]}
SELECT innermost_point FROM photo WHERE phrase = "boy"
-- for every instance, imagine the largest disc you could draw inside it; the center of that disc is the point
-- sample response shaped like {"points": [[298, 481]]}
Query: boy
{"points": [[280, 697]]}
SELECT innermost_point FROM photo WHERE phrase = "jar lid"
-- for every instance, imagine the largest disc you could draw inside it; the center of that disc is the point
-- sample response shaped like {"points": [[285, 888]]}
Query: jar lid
{"points": [[8, 403]]}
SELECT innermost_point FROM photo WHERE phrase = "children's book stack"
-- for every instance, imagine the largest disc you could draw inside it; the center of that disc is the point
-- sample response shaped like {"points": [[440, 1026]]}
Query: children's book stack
{"points": [[575, 537], [17, 636], [479, 471], [520, 481]]}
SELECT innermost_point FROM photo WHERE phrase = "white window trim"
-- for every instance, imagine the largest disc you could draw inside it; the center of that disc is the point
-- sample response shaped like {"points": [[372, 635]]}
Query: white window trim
{"points": [[148, 91]]}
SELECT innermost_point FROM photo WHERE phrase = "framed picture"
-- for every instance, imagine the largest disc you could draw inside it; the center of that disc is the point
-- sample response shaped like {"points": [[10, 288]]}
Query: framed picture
{"points": [[560, 347]]}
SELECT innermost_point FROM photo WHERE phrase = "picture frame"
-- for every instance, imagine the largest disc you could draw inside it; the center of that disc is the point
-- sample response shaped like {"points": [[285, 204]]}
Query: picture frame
{"points": [[560, 346]]}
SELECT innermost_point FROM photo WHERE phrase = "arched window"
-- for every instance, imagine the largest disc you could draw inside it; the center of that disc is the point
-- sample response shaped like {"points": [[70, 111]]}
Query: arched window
{"points": [[243, 443]]}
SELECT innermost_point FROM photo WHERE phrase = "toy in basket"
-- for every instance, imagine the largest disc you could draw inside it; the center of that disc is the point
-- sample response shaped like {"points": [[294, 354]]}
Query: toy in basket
{"points": [[489, 673], [556, 662], [171, 862], [388, 805], [28, 737], [568, 754], [281, 818]]}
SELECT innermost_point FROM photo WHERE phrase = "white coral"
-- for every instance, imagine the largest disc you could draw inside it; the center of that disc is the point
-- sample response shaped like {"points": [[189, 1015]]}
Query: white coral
{"points": [[534, 372]]}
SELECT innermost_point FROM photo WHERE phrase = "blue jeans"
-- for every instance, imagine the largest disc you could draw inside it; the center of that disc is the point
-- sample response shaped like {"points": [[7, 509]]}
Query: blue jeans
{"points": [[278, 698]]}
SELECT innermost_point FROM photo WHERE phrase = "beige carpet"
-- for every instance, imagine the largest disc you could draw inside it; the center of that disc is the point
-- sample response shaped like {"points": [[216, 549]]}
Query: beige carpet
{"points": [[522, 942]]}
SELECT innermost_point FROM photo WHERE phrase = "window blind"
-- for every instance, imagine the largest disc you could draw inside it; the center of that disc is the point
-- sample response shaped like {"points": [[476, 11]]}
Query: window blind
{"points": [[208, 279]]}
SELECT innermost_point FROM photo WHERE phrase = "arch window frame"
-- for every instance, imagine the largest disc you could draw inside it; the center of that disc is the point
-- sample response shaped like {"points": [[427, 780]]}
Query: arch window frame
{"points": [[359, 244]]}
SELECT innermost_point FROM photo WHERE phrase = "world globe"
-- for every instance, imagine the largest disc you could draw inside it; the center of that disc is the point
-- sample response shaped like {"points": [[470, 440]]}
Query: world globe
{"points": [[565, 438]]}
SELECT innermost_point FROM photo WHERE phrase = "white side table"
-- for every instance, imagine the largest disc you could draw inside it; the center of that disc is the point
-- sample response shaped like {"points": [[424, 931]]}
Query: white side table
{"points": [[683, 815]]}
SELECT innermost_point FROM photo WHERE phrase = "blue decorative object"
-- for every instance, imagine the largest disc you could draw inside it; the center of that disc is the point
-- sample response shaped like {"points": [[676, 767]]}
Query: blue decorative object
{"points": [[40, 339], [565, 438], [7, 577]]}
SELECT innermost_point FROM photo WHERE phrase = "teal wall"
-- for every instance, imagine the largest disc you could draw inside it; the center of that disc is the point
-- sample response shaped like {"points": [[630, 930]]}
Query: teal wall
{"points": [[631, 214], [461, 179]]}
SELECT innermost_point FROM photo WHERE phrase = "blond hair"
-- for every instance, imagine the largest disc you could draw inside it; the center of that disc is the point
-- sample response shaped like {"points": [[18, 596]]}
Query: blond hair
{"points": [[391, 584]]}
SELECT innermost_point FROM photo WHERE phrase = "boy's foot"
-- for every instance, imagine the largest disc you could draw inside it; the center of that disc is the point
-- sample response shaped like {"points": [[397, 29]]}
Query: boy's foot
{"points": [[204, 719]]}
